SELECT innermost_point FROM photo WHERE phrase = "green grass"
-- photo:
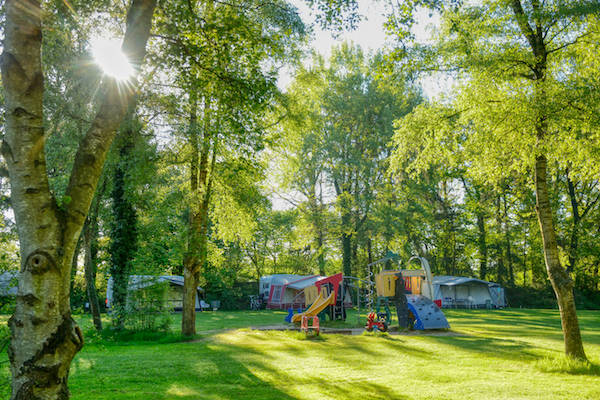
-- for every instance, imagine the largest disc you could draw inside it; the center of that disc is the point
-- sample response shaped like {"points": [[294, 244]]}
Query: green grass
{"points": [[507, 354], [210, 321]]}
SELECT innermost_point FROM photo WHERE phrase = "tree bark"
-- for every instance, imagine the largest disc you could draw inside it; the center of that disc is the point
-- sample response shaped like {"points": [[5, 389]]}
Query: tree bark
{"points": [[500, 253], [318, 224], [191, 262], [90, 244], [201, 177], [559, 277], [574, 242], [74, 264], [347, 254], [482, 244], [511, 272], [321, 254], [44, 336], [124, 228], [346, 236]]}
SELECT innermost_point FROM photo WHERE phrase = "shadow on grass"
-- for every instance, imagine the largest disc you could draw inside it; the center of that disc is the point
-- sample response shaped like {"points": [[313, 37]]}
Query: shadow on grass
{"points": [[566, 365], [244, 374], [227, 367], [187, 371], [508, 349]]}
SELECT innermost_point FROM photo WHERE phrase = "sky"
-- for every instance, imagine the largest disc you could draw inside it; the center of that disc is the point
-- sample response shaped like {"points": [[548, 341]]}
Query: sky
{"points": [[371, 36]]}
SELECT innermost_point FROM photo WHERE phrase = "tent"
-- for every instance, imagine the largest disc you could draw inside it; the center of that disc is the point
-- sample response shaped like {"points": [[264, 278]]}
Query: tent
{"points": [[8, 284], [281, 290], [497, 292], [459, 291], [173, 296]]}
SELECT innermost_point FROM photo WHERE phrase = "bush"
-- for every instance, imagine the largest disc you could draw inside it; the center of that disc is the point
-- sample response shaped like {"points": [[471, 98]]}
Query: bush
{"points": [[527, 297], [7, 305], [233, 298], [147, 310]]}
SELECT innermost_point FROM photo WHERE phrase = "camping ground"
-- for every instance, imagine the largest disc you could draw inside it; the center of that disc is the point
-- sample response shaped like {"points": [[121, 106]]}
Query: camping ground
{"points": [[508, 354]]}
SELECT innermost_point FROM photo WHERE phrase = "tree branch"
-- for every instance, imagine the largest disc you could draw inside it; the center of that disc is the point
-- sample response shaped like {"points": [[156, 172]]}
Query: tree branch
{"points": [[524, 24], [94, 147]]}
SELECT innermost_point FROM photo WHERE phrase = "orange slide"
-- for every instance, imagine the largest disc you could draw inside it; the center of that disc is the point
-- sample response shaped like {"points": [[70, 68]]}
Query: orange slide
{"points": [[316, 307]]}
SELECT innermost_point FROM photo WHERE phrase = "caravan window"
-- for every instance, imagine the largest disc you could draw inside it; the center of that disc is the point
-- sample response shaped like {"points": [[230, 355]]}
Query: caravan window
{"points": [[276, 294]]}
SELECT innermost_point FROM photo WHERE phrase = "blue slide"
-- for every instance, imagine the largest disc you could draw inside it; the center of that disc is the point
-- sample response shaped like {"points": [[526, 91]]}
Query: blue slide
{"points": [[427, 314]]}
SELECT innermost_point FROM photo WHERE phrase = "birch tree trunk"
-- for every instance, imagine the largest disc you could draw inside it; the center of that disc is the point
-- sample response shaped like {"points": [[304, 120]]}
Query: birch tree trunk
{"points": [[559, 277], [44, 336]]}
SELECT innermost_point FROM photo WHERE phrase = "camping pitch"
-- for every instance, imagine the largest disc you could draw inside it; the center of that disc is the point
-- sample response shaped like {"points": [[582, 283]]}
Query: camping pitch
{"points": [[463, 292]]}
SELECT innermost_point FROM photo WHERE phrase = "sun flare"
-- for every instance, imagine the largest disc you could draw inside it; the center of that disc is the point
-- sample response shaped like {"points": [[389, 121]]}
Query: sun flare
{"points": [[109, 57]]}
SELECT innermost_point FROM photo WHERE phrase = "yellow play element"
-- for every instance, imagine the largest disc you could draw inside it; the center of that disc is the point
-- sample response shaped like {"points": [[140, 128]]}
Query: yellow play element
{"points": [[310, 294], [385, 283], [318, 306]]}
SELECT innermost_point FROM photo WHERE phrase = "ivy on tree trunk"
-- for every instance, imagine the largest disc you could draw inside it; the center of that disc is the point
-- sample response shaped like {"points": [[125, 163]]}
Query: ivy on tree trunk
{"points": [[124, 237], [44, 336]]}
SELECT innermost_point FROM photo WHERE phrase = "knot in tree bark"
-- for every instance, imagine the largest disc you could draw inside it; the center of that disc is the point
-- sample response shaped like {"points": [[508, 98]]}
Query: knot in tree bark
{"points": [[39, 262]]}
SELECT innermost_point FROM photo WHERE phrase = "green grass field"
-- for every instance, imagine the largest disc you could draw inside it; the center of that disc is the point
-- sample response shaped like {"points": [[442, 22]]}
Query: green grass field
{"points": [[505, 354]]}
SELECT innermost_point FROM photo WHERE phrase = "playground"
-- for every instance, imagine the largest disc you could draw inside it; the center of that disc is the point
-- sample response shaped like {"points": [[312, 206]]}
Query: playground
{"points": [[312, 299], [492, 355]]}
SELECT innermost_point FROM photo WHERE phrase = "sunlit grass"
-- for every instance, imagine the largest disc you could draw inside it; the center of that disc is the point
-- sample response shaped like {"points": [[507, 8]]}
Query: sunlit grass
{"points": [[502, 354], [568, 365]]}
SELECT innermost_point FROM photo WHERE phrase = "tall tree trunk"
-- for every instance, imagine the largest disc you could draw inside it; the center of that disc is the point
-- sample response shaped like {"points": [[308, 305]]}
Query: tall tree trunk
{"points": [[316, 209], [346, 237], [511, 273], [346, 246], [44, 337], [191, 262], [559, 277], [200, 184], [74, 263], [90, 244], [321, 239], [347, 254], [574, 242], [501, 270], [123, 230], [321, 256], [370, 251], [525, 254], [354, 250], [482, 244]]}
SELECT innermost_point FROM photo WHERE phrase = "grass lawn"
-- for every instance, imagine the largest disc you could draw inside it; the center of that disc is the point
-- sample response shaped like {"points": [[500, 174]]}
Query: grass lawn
{"points": [[507, 354]]}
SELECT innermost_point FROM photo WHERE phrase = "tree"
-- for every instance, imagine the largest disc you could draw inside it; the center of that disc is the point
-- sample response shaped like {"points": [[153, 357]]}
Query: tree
{"points": [[124, 225], [44, 336], [344, 140], [513, 108], [49, 220], [90, 245], [226, 55], [301, 155]]}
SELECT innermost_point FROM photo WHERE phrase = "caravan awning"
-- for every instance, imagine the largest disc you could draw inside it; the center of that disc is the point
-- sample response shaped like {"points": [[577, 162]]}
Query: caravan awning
{"points": [[304, 282], [141, 281], [456, 280]]}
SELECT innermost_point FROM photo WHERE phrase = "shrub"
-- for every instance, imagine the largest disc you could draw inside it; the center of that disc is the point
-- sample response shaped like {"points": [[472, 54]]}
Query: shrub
{"points": [[147, 310], [527, 297]]}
